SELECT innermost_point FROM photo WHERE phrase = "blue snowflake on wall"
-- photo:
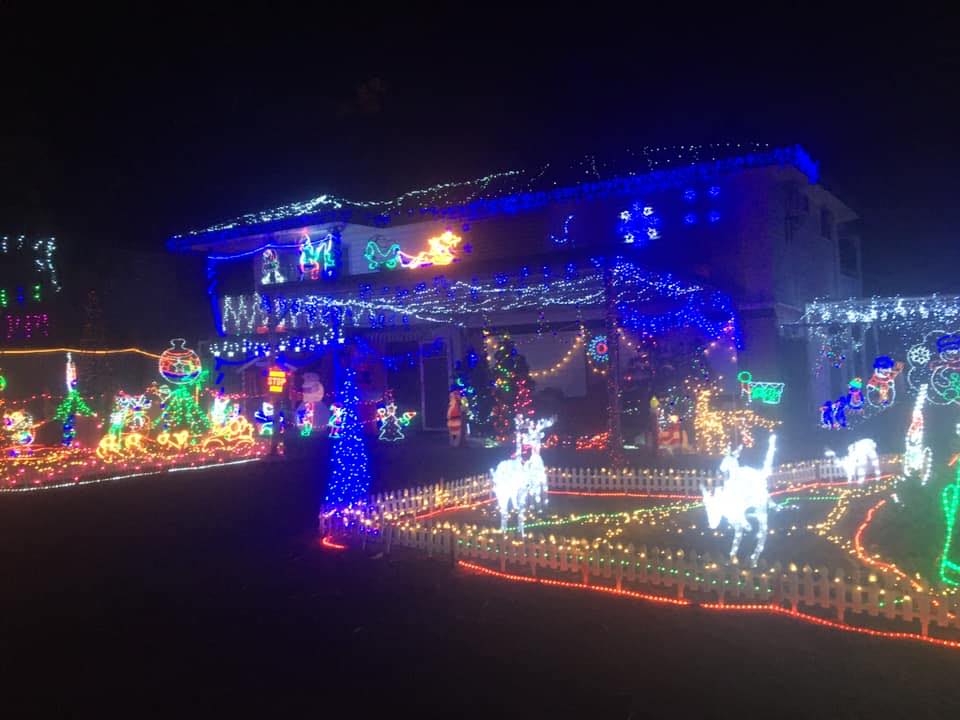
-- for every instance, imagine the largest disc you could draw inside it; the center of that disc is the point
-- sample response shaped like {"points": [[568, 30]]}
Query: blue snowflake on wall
{"points": [[639, 224]]}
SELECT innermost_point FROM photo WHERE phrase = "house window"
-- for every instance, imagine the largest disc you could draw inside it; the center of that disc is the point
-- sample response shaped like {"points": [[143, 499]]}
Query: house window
{"points": [[826, 223], [847, 248]]}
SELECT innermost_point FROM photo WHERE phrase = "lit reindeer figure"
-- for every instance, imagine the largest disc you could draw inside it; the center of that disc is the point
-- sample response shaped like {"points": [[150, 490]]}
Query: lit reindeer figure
{"points": [[516, 479], [744, 491], [535, 469], [860, 456]]}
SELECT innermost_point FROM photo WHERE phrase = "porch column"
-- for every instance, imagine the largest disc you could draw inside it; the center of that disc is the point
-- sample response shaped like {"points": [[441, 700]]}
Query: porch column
{"points": [[613, 371]]}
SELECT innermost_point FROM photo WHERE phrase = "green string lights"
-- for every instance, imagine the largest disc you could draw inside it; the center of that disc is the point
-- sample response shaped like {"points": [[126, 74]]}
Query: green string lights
{"points": [[950, 559]]}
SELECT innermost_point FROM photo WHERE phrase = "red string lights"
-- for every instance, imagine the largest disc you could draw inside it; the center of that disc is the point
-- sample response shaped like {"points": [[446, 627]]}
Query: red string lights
{"points": [[715, 606]]}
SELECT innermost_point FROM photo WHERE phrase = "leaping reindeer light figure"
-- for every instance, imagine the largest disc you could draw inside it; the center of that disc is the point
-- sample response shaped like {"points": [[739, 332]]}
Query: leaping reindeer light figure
{"points": [[744, 492]]}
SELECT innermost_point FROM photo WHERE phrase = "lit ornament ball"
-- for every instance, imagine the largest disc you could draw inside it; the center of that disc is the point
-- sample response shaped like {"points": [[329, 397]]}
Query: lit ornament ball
{"points": [[918, 355], [598, 349], [178, 364]]}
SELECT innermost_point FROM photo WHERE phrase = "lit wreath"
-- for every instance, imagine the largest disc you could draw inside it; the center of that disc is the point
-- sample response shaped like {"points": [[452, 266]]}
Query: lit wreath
{"points": [[598, 349]]}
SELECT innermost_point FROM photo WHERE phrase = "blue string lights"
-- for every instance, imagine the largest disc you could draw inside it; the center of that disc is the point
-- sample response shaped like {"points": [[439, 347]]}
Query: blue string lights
{"points": [[461, 303], [634, 173], [349, 477]]}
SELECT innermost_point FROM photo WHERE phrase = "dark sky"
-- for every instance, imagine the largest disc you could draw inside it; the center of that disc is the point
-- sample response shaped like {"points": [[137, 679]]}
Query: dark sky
{"points": [[117, 132]]}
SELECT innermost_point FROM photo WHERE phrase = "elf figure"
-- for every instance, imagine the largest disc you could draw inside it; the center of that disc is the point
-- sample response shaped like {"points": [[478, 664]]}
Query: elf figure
{"points": [[855, 395], [305, 418], [335, 423], [271, 268]]}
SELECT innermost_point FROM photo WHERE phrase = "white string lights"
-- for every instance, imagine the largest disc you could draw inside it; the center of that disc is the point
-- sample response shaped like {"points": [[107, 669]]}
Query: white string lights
{"points": [[457, 302], [508, 191], [43, 250]]}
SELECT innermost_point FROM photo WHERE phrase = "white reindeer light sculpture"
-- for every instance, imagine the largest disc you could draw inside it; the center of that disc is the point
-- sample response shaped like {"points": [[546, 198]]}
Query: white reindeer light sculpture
{"points": [[515, 480], [860, 456], [744, 492]]}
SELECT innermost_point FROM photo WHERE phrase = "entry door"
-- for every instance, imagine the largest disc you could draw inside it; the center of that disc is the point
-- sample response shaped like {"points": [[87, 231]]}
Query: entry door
{"points": [[435, 382]]}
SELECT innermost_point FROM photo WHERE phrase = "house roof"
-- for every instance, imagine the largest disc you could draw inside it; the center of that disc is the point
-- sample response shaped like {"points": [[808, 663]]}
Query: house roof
{"points": [[508, 191]]}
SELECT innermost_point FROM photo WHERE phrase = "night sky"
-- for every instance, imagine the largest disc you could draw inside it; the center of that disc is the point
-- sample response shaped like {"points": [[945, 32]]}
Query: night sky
{"points": [[121, 135]]}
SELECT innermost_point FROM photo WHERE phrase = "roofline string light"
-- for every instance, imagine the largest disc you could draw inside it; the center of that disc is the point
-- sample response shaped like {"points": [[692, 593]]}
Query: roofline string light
{"points": [[644, 170]]}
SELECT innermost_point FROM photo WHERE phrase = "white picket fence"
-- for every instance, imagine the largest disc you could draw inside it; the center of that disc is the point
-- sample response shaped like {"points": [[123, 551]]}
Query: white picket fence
{"points": [[677, 574], [386, 521], [429, 499]]}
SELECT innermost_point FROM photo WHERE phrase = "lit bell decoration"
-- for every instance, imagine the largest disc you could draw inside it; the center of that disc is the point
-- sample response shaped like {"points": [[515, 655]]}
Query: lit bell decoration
{"points": [[178, 364]]}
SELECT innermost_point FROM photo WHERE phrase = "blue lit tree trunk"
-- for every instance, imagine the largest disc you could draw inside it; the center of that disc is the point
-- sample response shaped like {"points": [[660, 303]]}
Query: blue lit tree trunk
{"points": [[349, 472]]}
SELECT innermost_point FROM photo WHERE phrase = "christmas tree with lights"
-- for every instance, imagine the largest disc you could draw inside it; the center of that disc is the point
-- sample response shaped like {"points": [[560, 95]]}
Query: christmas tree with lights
{"points": [[349, 477], [72, 405], [512, 389], [387, 419]]}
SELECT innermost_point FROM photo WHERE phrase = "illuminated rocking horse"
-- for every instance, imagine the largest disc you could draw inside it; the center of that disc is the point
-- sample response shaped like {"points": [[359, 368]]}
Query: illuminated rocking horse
{"points": [[516, 479], [744, 492]]}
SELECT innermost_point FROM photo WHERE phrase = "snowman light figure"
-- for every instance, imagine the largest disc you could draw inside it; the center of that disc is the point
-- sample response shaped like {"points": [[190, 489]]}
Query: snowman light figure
{"points": [[881, 388]]}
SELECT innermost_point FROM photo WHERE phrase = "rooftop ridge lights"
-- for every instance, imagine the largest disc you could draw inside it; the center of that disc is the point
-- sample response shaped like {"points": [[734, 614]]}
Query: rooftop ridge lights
{"points": [[520, 191]]}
